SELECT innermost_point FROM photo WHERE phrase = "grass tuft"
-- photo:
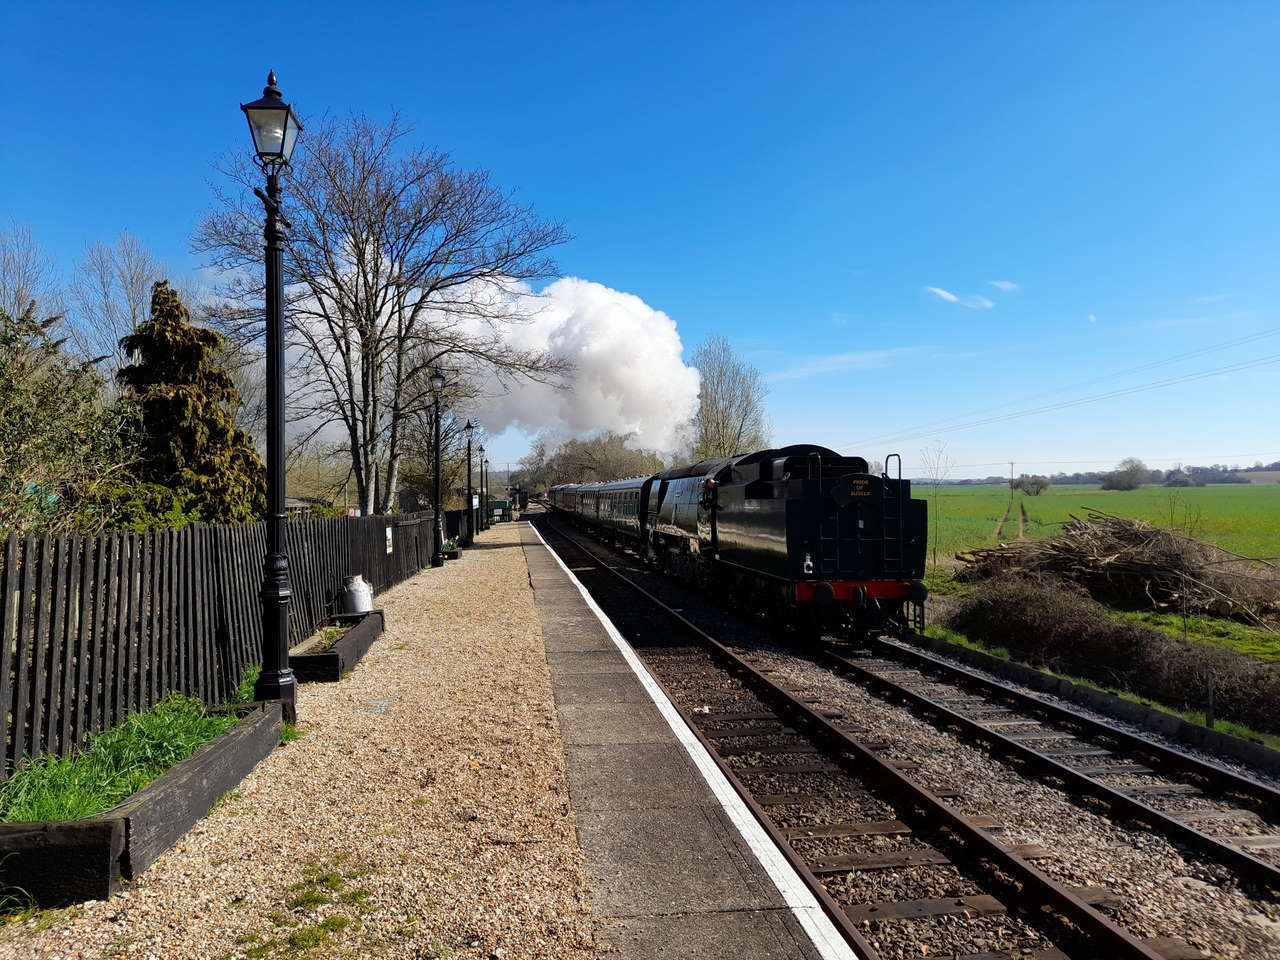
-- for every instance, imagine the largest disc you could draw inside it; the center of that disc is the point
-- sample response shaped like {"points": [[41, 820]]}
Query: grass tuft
{"points": [[1241, 637], [308, 900], [114, 765], [290, 732], [330, 880], [244, 693], [308, 938]]}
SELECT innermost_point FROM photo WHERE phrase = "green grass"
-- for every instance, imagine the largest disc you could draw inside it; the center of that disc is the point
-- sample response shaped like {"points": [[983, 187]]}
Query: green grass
{"points": [[244, 694], [309, 900], [941, 582], [1244, 518], [331, 635], [291, 732], [960, 640], [1191, 716], [1240, 637], [114, 765]]}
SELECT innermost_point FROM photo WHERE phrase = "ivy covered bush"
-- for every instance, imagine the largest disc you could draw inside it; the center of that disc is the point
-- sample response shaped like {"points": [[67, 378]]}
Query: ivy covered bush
{"points": [[190, 459], [61, 451]]}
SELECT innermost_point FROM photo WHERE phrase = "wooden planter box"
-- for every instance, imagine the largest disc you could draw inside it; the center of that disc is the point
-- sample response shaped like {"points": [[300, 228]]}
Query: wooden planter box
{"points": [[348, 650], [57, 863], [452, 554]]}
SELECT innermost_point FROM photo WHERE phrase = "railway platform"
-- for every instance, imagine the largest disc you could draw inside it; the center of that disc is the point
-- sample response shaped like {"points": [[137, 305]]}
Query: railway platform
{"points": [[674, 867]]}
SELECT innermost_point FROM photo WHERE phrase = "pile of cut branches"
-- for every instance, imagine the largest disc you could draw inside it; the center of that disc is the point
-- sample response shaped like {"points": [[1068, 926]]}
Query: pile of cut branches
{"points": [[1136, 565]]}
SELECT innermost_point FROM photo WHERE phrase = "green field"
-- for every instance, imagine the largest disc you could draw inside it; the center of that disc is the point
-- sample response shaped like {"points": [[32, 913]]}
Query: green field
{"points": [[1244, 518]]}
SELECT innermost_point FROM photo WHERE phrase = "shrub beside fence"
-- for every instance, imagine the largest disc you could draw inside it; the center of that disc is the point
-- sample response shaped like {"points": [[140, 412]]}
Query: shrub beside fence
{"points": [[92, 628]]}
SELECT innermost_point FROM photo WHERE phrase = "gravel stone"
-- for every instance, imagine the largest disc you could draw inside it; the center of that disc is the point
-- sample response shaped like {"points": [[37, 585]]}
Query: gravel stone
{"points": [[424, 813], [1160, 892]]}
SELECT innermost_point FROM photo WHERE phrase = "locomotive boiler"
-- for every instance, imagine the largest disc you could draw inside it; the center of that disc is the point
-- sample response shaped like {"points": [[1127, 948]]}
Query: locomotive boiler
{"points": [[800, 532]]}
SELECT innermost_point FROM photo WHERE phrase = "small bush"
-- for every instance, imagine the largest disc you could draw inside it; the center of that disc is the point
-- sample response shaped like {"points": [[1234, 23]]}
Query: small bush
{"points": [[1049, 623]]}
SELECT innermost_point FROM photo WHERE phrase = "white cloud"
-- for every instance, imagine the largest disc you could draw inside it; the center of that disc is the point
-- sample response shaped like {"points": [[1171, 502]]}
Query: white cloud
{"points": [[838, 362], [974, 301], [1004, 286], [629, 375], [1092, 318]]}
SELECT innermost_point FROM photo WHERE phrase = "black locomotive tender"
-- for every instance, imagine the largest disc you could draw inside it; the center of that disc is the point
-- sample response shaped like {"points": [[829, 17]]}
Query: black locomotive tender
{"points": [[800, 532]]}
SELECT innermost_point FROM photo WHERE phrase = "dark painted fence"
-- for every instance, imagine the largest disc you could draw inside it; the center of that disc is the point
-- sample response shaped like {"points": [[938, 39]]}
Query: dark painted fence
{"points": [[92, 628]]}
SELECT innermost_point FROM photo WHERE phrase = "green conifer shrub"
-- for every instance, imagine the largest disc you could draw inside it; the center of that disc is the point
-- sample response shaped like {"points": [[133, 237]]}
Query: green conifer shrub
{"points": [[192, 461]]}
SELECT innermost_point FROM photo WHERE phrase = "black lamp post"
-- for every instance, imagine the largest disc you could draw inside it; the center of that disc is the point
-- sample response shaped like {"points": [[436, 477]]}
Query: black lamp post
{"points": [[484, 517], [437, 549], [488, 482], [471, 509], [275, 129]]}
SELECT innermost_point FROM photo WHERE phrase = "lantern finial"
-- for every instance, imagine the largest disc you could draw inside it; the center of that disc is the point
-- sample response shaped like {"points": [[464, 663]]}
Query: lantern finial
{"points": [[271, 84]]}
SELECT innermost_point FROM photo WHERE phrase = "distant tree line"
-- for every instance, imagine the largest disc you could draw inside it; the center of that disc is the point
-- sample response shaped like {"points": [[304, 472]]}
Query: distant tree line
{"points": [[1130, 474], [604, 457]]}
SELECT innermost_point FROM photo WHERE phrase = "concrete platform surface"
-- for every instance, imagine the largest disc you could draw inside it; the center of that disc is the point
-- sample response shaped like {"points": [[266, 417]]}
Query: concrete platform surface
{"points": [[672, 876]]}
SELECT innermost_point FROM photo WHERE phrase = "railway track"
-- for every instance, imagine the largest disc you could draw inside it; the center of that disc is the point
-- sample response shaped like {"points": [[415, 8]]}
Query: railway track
{"points": [[1220, 814], [846, 816]]}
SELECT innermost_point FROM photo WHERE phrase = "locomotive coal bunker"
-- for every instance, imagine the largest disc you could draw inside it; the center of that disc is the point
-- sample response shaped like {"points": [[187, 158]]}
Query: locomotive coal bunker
{"points": [[801, 532]]}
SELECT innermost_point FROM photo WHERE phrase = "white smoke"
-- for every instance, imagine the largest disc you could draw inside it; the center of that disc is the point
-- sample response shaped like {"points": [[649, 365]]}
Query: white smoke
{"points": [[628, 374]]}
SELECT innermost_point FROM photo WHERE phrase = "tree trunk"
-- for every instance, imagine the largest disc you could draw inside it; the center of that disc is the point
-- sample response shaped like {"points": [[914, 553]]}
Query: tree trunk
{"points": [[393, 481]]}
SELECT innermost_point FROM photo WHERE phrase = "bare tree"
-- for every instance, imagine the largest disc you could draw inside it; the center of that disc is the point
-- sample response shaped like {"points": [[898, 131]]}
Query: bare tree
{"points": [[396, 261], [730, 417], [27, 274], [937, 467], [457, 405], [1129, 474], [111, 297]]}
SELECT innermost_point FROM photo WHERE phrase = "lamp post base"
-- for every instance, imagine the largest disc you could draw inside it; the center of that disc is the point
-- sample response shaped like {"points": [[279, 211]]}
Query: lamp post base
{"points": [[279, 685], [437, 547]]}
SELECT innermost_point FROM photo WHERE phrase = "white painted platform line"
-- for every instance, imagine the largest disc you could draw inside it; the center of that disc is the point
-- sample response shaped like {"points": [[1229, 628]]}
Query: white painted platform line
{"points": [[799, 898]]}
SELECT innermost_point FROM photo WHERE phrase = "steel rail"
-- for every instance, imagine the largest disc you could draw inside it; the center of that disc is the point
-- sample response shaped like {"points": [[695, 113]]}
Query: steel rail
{"points": [[1267, 797], [1237, 859], [1033, 888]]}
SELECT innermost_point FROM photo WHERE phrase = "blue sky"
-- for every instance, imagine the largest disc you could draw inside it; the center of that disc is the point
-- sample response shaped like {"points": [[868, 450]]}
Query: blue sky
{"points": [[794, 180]]}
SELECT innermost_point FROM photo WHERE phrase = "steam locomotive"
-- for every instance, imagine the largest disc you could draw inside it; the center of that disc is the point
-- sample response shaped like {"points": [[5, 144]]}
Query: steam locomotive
{"points": [[801, 533]]}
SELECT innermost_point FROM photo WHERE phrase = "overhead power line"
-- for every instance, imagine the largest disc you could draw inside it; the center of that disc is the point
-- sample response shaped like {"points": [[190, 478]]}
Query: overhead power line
{"points": [[961, 421], [1080, 401]]}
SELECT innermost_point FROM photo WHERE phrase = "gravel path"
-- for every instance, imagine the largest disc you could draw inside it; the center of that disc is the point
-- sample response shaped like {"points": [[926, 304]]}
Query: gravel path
{"points": [[424, 813]]}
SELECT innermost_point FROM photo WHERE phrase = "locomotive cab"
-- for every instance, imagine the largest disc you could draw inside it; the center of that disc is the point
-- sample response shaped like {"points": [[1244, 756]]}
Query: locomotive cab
{"points": [[846, 544]]}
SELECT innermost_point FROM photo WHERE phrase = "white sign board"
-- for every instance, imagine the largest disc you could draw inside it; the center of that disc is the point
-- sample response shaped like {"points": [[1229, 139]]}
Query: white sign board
{"points": [[388, 539]]}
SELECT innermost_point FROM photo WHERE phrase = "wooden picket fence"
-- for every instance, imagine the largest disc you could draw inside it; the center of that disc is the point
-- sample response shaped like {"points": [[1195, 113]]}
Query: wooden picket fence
{"points": [[94, 627]]}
